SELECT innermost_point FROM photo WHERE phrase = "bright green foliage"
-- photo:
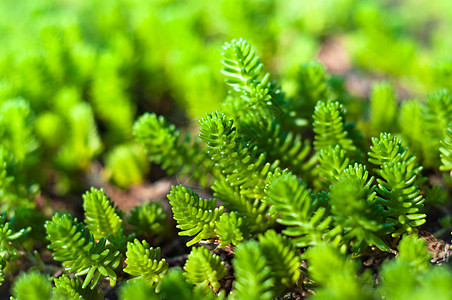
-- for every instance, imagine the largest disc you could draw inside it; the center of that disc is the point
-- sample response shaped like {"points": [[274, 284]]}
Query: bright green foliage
{"points": [[411, 275], [149, 218], [313, 86], [110, 99], [145, 262], [283, 259], [2, 276], [355, 210], [290, 149], [242, 69], [446, 150], [204, 268], [50, 129], [231, 228], [442, 71], [436, 195], [194, 216], [29, 217], [413, 251], [126, 165], [378, 44], [225, 149], [329, 126], [71, 288], [13, 192], [137, 289], [32, 286], [119, 240], [252, 272], [73, 244], [8, 250], [244, 170], [101, 217], [332, 164], [16, 131], [166, 146], [388, 149], [101, 261], [257, 108], [437, 114], [83, 142], [335, 274], [175, 286], [68, 239], [397, 186], [383, 108], [411, 124], [86, 67], [307, 224]]}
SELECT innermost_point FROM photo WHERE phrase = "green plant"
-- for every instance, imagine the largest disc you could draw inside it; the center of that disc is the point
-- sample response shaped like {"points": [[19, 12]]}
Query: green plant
{"points": [[324, 261], [383, 108], [204, 268], [195, 216], [32, 286], [126, 165], [73, 244], [137, 289], [144, 262], [67, 287], [231, 228], [329, 126], [258, 195], [8, 250], [165, 145], [230, 155], [419, 277], [174, 285], [149, 218], [101, 217], [252, 272], [306, 222], [446, 150], [354, 195], [398, 187]]}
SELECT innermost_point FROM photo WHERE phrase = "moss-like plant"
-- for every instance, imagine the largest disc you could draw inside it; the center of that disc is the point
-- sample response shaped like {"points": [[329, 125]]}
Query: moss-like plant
{"points": [[252, 272], [32, 286], [195, 216], [73, 244], [145, 262], [231, 228], [398, 183], [282, 191], [204, 268], [101, 216], [446, 150], [149, 218], [67, 287]]}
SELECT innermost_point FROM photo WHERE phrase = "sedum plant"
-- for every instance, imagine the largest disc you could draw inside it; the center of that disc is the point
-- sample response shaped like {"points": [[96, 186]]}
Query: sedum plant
{"points": [[195, 216], [204, 268], [446, 150], [361, 198], [101, 217], [149, 218], [286, 195], [67, 287], [32, 286], [144, 262], [84, 256]]}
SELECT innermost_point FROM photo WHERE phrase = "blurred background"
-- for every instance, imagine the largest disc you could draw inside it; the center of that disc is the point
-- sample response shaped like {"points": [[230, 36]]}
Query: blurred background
{"points": [[75, 74]]}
